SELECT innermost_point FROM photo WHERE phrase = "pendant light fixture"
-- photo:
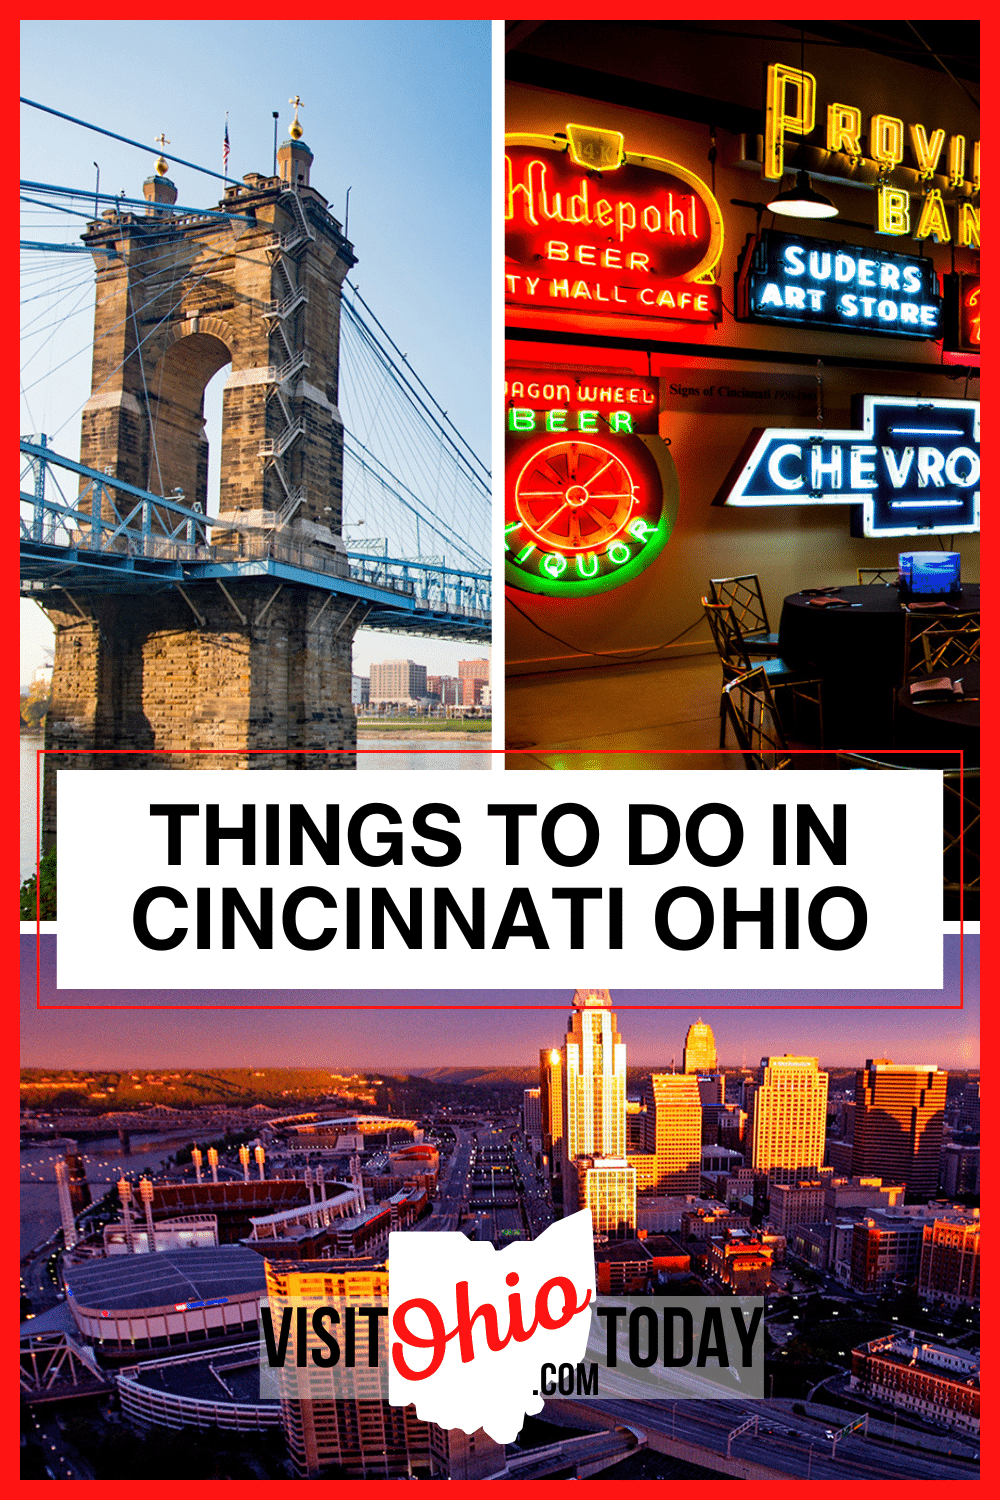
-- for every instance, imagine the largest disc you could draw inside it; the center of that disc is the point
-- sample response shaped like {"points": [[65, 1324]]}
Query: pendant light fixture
{"points": [[802, 201]]}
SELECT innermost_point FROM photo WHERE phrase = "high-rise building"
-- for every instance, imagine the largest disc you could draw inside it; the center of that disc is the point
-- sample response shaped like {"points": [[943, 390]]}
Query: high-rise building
{"points": [[968, 1113], [550, 1090], [700, 1055], [593, 1111], [361, 1436], [786, 1125], [607, 1188], [532, 1110], [397, 681], [670, 1162], [898, 1122], [949, 1260]]}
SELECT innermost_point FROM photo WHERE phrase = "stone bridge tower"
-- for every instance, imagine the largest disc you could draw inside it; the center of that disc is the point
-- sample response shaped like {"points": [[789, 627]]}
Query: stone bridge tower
{"points": [[245, 663]]}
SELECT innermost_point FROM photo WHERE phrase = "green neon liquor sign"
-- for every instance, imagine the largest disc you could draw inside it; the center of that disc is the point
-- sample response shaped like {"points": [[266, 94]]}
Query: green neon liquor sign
{"points": [[589, 505]]}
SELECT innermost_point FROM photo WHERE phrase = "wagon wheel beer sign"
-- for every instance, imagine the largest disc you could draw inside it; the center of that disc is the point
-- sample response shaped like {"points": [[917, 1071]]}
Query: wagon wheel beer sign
{"points": [[590, 500]]}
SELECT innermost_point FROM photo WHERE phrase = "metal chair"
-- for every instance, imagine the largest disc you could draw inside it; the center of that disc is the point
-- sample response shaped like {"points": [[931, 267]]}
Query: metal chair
{"points": [[749, 704], [961, 820], [888, 575], [938, 642], [744, 596], [736, 661]]}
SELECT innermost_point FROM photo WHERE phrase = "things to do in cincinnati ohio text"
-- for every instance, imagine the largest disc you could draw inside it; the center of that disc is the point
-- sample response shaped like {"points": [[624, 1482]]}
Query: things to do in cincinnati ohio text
{"points": [[468, 916]]}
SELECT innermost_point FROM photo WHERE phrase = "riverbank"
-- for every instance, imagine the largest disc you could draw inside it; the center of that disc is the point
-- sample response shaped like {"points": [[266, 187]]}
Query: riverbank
{"points": [[474, 730]]}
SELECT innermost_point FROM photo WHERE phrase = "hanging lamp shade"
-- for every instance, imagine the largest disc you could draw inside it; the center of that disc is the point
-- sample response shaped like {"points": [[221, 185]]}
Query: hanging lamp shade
{"points": [[802, 201]]}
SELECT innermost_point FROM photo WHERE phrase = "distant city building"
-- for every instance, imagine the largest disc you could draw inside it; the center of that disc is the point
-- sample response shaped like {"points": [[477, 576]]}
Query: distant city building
{"points": [[786, 1122], [670, 1161], [474, 677], [842, 1194], [550, 1098], [700, 1055], [532, 1114], [968, 1114], [398, 682], [707, 1223], [360, 690], [446, 689], [898, 1124], [936, 1383], [885, 1249], [949, 1260], [796, 1203], [632, 1265], [741, 1262], [959, 1170]]}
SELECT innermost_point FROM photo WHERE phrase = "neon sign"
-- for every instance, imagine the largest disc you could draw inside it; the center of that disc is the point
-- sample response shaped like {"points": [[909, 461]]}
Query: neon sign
{"points": [[961, 302], [595, 229], [790, 110], [590, 503], [622, 401], [911, 468], [792, 278]]}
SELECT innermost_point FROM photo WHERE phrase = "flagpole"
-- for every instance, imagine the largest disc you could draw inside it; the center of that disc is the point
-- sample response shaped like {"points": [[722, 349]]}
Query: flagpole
{"points": [[225, 150]]}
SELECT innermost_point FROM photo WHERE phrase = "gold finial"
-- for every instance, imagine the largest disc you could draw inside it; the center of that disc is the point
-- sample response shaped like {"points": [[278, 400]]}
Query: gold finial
{"points": [[295, 129], [161, 162]]}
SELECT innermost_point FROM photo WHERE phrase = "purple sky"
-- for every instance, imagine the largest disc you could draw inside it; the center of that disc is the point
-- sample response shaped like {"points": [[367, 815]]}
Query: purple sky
{"points": [[396, 1042]]}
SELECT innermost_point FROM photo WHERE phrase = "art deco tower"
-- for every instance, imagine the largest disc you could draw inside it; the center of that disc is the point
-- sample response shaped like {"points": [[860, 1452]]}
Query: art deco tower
{"points": [[700, 1055], [595, 1172]]}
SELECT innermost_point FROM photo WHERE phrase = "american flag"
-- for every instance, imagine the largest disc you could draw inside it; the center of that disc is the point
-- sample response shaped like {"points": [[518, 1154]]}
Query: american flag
{"points": [[225, 147]]}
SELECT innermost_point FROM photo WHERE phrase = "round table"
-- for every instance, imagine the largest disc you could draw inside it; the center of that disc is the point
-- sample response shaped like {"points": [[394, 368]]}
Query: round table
{"points": [[952, 724], [858, 653]]}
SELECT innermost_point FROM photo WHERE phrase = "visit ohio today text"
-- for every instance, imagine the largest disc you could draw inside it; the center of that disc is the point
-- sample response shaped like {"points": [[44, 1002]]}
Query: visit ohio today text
{"points": [[472, 911]]}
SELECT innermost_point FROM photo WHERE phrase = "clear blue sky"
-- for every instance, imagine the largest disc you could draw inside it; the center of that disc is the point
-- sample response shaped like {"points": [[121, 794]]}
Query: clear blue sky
{"points": [[397, 110], [418, 1038]]}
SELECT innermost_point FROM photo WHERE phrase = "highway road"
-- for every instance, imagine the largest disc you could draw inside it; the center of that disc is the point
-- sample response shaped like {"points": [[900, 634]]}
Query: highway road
{"points": [[795, 1445]]}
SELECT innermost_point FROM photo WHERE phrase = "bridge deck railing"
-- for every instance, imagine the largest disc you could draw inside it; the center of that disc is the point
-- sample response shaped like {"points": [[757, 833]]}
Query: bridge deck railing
{"points": [[118, 521]]}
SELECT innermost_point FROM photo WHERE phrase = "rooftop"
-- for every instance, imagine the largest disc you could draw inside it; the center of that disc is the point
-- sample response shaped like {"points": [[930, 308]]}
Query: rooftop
{"points": [[167, 1279]]}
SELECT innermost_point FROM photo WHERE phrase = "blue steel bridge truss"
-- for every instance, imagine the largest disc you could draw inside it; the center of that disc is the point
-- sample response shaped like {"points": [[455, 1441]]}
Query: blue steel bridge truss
{"points": [[94, 534]]}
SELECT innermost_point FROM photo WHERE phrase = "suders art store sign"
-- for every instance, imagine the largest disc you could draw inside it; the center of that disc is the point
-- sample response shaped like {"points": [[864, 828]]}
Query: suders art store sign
{"points": [[592, 228], [794, 279], [590, 500]]}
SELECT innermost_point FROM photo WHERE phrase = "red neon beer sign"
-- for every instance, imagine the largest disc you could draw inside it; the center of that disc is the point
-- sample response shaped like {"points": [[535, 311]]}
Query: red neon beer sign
{"points": [[591, 228]]}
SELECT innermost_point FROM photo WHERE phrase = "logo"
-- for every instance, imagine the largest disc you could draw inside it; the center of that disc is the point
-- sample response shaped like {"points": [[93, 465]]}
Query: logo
{"points": [[911, 468], [592, 228]]}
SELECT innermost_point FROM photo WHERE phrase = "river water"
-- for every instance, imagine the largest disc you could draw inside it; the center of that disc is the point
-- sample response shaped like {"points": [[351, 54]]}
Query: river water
{"points": [[104, 1164], [381, 754]]}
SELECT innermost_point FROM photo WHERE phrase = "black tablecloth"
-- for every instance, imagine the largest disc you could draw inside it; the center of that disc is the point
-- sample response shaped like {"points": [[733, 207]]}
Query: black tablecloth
{"points": [[950, 725], [858, 653]]}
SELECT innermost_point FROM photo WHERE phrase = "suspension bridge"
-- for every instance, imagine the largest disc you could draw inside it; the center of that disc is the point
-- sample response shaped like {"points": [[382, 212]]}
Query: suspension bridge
{"points": [[401, 537], [191, 620]]}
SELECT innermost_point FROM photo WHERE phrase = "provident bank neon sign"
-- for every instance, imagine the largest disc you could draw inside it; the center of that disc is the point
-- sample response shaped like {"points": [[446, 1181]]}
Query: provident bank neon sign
{"points": [[595, 229]]}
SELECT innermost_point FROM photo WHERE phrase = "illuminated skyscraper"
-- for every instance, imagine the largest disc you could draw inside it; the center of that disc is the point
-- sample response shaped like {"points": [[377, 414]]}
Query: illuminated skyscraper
{"points": [[593, 1115], [700, 1055], [898, 1121], [550, 1080], [670, 1160], [786, 1127]]}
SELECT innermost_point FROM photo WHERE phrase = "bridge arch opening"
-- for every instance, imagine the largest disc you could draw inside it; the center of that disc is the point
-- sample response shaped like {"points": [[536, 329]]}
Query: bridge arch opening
{"points": [[179, 445]]}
